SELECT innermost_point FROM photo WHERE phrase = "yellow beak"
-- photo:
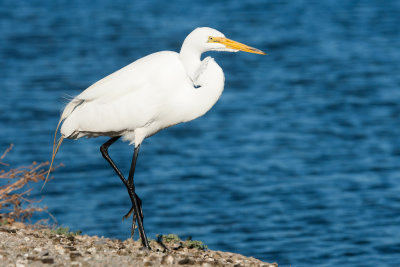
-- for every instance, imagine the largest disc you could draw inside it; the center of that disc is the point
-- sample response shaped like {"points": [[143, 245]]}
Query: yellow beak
{"points": [[235, 45]]}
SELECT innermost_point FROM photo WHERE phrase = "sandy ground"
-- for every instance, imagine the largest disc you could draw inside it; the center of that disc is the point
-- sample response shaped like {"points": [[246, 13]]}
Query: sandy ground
{"points": [[21, 245]]}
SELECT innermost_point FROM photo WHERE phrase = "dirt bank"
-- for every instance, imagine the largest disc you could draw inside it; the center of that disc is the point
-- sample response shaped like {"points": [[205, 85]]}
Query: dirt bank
{"points": [[22, 245]]}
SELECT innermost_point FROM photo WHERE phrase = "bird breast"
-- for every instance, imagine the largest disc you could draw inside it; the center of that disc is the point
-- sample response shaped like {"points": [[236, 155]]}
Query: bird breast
{"points": [[208, 86]]}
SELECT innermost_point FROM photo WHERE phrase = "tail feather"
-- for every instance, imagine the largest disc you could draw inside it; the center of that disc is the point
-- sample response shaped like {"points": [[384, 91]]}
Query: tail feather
{"points": [[67, 111], [52, 159], [55, 134]]}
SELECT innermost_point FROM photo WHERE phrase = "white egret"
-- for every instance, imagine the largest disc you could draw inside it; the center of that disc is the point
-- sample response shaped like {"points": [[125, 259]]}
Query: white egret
{"points": [[150, 94]]}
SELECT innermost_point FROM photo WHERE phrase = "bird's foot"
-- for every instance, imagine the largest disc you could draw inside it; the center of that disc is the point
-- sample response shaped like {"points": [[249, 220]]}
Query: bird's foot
{"points": [[133, 227], [139, 201], [134, 216], [126, 216]]}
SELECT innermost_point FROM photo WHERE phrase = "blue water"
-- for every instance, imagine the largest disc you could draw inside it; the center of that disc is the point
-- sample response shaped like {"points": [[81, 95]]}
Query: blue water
{"points": [[299, 161]]}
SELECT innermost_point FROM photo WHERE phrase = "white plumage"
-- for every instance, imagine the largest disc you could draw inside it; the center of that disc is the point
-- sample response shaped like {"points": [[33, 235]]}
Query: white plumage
{"points": [[142, 98], [150, 94]]}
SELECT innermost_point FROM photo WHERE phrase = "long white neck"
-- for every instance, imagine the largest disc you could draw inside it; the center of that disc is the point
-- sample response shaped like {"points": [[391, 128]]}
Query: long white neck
{"points": [[209, 78], [190, 57]]}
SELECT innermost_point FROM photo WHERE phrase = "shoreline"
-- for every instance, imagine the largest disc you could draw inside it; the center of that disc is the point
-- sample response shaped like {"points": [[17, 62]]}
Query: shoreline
{"points": [[24, 245]]}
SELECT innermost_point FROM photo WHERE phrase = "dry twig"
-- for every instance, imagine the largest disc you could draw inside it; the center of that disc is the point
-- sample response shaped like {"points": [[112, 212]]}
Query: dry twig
{"points": [[15, 188]]}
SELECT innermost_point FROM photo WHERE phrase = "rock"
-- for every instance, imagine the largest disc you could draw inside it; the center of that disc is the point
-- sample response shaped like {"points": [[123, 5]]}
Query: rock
{"points": [[74, 255], [37, 249], [44, 254], [21, 263], [100, 242], [185, 261], [18, 225], [167, 260], [48, 260]]}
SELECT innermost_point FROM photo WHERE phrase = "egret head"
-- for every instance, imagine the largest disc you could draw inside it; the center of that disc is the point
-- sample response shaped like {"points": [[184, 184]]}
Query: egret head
{"points": [[207, 39]]}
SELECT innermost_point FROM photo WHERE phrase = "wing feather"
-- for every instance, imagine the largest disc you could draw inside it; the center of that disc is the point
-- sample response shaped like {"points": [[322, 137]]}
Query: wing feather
{"points": [[131, 78], [129, 98]]}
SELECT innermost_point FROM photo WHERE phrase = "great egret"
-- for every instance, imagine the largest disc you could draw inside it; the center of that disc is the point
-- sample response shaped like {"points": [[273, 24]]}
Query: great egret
{"points": [[150, 94]]}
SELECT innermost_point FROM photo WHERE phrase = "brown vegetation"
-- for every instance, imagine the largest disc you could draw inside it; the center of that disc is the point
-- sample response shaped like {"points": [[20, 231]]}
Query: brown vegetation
{"points": [[15, 187]]}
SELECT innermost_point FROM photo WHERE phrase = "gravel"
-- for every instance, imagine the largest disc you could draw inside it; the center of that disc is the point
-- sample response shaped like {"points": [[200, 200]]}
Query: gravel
{"points": [[22, 245]]}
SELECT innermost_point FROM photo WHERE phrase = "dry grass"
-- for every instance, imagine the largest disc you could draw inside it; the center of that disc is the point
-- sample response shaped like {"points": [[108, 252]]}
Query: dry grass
{"points": [[15, 204]]}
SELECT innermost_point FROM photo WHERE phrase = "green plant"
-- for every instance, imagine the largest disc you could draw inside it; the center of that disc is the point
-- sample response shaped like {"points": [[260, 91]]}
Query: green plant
{"points": [[189, 243], [65, 231], [195, 244], [170, 238]]}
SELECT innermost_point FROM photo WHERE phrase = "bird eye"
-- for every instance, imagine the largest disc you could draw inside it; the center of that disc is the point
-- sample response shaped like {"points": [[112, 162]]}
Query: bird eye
{"points": [[210, 38]]}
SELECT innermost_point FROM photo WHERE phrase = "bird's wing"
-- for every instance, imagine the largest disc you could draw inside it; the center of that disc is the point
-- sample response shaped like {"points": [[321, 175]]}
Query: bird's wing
{"points": [[113, 86], [130, 78], [130, 97], [154, 70]]}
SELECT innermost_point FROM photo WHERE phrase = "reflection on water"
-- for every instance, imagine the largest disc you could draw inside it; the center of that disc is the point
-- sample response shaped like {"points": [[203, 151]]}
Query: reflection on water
{"points": [[297, 163]]}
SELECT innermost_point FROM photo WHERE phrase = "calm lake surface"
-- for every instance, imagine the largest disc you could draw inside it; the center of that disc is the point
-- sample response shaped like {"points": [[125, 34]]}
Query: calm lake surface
{"points": [[298, 162]]}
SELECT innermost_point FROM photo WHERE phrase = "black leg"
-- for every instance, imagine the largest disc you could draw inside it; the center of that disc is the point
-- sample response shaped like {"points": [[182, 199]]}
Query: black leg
{"points": [[104, 152], [136, 202], [132, 185]]}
